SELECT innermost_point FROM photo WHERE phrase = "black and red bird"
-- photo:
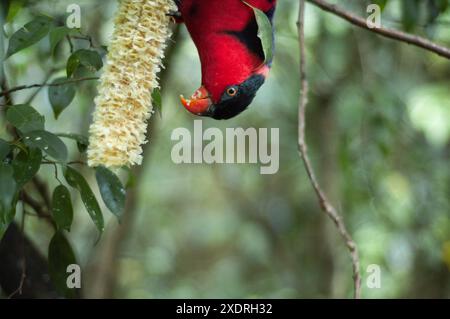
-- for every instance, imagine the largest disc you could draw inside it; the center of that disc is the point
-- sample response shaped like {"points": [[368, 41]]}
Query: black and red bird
{"points": [[225, 33]]}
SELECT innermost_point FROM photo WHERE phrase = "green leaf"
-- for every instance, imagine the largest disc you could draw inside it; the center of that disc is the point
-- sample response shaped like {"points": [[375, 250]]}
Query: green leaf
{"points": [[77, 181], [47, 142], [87, 58], [442, 5], [61, 96], [62, 210], [14, 8], [381, 3], [25, 118], [30, 34], [60, 256], [131, 181], [5, 148], [26, 166], [3, 228], [7, 191], [112, 191], [410, 14], [265, 33], [82, 141], [157, 101], [57, 35], [434, 10]]}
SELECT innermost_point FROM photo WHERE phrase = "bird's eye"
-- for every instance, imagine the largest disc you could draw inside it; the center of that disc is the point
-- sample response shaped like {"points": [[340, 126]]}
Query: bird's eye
{"points": [[232, 91]]}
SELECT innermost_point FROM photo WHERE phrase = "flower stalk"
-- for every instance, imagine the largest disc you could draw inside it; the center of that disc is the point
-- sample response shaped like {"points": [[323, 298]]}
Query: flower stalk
{"points": [[124, 101]]}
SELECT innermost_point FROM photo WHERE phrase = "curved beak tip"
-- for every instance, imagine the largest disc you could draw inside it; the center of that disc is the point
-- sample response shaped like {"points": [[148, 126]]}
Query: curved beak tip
{"points": [[184, 101], [199, 103]]}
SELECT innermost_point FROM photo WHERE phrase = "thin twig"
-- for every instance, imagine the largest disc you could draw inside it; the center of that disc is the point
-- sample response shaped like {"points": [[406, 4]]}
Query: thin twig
{"points": [[325, 204], [47, 78], [37, 207], [26, 87], [383, 31], [68, 163], [43, 191], [55, 166], [24, 259], [70, 44]]}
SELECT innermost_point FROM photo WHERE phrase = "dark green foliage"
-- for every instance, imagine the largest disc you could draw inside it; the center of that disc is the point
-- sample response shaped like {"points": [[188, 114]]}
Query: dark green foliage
{"points": [[30, 147], [7, 192], [112, 191], [57, 35], [5, 148], [265, 33], [238, 233], [88, 59], [77, 181], [82, 141], [60, 257], [62, 210], [61, 96], [26, 165], [157, 101], [30, 34], [25, 118], [48, 143]]}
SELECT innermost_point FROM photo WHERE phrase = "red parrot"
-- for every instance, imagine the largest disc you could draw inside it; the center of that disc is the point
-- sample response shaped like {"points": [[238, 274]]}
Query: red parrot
{"points": [[225, 33]]}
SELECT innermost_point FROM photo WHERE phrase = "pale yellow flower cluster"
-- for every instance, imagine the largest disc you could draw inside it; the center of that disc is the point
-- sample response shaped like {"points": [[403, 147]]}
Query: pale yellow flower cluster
{"points": [[124, 103]]}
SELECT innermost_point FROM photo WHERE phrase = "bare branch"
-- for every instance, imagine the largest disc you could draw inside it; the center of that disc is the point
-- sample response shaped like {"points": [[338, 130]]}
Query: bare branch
{"points": [[67, 163], [26, 87], [385, 32], [325, 204], [47, 78], [42, 189], [38, 208], [69, 40]]}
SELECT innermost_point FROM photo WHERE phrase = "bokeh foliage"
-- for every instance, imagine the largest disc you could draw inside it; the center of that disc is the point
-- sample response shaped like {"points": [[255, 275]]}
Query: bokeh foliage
{"points": [[378, 131]]}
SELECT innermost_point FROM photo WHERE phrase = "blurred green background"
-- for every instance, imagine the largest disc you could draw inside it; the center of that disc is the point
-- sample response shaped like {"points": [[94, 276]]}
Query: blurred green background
{"points": [[378, 129]]}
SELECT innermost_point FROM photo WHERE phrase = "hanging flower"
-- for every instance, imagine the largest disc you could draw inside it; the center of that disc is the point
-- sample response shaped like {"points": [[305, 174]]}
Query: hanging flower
{"points": [[124, 102]]}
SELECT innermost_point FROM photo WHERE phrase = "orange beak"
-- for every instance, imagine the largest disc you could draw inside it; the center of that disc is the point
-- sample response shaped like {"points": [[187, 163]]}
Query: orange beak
{"points": [[199, 102]]}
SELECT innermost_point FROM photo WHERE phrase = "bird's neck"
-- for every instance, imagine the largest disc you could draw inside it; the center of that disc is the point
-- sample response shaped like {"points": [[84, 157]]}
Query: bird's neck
{"points": [[225, 33], [225, 61]]}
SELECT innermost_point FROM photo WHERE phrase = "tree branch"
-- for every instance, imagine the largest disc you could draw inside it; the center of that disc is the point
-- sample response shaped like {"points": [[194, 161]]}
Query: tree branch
{"points": [[38, 208], [40, 185], [385, 32], [47, 78], [26, 87], [43, 191], [325, 204]]}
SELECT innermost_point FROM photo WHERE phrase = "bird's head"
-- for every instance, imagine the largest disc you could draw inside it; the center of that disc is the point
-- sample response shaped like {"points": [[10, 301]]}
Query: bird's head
{"points": [[226, 100], [231, 55]]}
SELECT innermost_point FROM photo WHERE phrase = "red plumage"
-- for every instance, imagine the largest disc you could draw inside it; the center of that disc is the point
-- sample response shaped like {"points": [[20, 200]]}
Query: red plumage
{"points": [[225, 34]]}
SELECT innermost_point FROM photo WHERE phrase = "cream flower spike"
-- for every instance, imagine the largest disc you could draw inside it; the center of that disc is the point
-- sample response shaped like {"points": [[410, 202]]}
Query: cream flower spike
{"points": [[124, 102]]}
